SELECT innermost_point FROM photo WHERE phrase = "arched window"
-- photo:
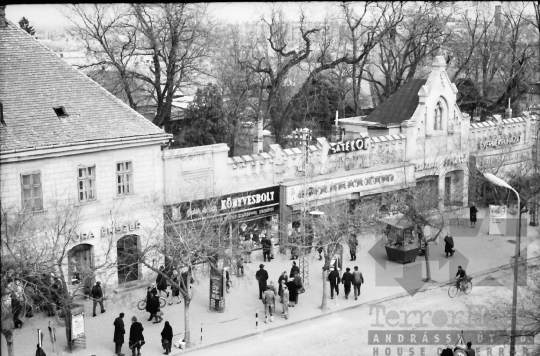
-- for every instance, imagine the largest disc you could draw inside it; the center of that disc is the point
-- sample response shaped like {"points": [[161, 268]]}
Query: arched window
{"points": [[437, 125]]}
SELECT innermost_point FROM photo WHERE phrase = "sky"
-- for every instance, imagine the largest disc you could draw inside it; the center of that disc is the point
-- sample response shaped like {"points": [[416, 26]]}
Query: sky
{"points": [[48, 17]]}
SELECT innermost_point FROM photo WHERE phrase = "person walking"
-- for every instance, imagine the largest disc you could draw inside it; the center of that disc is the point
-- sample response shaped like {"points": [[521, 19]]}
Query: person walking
{"points": [[136, 338], [334, 279], [119, 332], [266, 247], [269, 301], [161, 282], [353, 244], [175, 289], [472, 215], [262, 277], [282, 278], [97, 295], [248, 246], [166, 337], [470, 351], [358, 279], [347, 280], [152, 306], [240, 266], [294, 269], [159, 314], [449, 245], [285, 299]]}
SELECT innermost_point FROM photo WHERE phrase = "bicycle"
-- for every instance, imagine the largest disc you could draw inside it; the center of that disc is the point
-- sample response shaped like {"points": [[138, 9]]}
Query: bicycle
{"points": [[142, 304], [465, 287]]}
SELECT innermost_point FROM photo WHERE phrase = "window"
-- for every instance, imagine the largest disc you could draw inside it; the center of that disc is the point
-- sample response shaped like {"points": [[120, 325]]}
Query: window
{"points": [[124, 178], [438, 117], [87, 183], [32, 195]]}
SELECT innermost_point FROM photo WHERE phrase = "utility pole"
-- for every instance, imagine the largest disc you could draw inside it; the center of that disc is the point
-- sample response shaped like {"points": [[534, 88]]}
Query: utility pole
{"points": [[304, 136]]}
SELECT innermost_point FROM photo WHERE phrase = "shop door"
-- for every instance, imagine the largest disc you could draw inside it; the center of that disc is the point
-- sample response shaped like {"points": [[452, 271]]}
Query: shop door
{"points": [[127, 250], [447, 190], [80, 266]]}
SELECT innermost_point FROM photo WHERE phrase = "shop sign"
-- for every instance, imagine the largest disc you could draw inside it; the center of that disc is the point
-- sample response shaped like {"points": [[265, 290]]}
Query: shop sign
{"points": [[342, 186], [450, 161], [83, 236], [256, 202], [503, 159], [500, 141], [120, 229], [425, 166], [347, 146]]}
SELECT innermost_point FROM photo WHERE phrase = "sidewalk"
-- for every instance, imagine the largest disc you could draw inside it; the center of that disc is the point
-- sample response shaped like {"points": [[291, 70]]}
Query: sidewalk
{"points": [[482, 251]]}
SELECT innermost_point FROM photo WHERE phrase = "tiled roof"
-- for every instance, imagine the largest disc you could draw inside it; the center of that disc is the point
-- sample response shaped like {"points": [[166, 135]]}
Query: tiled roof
{"points": [[400, 106], [33, 80]]}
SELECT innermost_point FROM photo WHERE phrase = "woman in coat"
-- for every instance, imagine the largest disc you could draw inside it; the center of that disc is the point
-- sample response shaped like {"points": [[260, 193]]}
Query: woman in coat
{"points": [[166, 337], [152, 306], [136, 338], [281, 278], [298, 283], [174, 289], [448, 245], [472, 215]]}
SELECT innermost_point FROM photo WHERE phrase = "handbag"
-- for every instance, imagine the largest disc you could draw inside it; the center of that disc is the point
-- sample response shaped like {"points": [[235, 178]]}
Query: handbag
{"points": [[301, 290], [165, 343]]}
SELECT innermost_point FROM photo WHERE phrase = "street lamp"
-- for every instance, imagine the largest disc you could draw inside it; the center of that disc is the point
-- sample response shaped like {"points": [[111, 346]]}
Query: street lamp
{"points": [[498, 181]]}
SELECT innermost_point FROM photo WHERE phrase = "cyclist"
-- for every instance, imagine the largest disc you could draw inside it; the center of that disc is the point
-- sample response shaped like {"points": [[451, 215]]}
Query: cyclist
{"points": [[461, 276]]}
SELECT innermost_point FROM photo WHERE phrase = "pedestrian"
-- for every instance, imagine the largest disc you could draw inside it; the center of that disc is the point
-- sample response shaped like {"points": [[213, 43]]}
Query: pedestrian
{"points": [[161, 282], [285, 300], [320, 249], [298, 283], [266, 247], [175, 289], [472, 215], [272, 287], [470, 351], [282, 278], [347, 280], [294, 269], [153, 289], [293, 292], [152, 306], [358, 279], [294, 239], [39, 351], [166, 337], [240, 266], [353, 244], [262, 277], [449, 245], [248, 246], [136, 338], [119, 332], [159, 315], [334, 279], [269, 301], [97, 295]]}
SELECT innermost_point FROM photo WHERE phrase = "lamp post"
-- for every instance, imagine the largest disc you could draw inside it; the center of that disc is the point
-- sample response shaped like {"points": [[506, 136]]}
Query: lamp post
{"points": [[498, 181]]}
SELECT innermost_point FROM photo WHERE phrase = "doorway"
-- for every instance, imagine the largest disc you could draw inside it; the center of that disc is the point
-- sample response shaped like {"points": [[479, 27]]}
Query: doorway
{"points": [[127, 250], [81, 266]]}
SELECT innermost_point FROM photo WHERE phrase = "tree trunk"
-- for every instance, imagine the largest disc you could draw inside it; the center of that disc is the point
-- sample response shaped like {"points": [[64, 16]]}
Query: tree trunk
{"points": [[426, 257], [186, 320], [8, 334], [324, 292]]}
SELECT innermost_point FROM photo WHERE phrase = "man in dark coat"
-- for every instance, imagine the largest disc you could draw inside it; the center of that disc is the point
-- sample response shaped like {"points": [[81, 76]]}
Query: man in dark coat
{"points": [[266, 247], [449, 245], [353, 244], [262, 277], [136, 338], [347, 281], [152, 306], [472, 215], [119, 332], [161, 282], [334, 279], [294, 269], [97, 295]]}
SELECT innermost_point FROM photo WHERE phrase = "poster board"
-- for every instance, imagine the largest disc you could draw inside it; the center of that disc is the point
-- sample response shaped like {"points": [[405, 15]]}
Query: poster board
{"points": [[77, 325], [497, 219], [217, 300]]}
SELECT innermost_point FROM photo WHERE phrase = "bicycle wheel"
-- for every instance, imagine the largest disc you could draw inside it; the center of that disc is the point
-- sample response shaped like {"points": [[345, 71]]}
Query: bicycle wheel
{"points": [[468, 288], [452, 291], [162, 302], [141, 305]]}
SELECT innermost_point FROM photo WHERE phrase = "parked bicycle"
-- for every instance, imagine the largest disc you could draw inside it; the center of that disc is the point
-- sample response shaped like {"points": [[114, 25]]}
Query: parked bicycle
{"points": [[465, 287], [142, 304]]}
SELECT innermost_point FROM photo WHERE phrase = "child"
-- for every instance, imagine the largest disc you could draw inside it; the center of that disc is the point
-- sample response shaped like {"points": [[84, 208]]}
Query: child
{"points": [[240, 266]]}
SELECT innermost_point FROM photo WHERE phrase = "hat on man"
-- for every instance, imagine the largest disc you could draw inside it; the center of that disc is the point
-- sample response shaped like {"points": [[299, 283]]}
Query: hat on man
{"points": [[261, 265], [98, 282]]}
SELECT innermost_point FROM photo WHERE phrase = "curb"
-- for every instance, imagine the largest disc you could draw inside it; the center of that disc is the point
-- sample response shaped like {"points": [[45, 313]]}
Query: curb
{"points": [[376, 301]]}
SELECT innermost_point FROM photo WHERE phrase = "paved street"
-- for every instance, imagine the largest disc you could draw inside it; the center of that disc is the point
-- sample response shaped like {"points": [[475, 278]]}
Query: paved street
{"points": [[483, 252]]}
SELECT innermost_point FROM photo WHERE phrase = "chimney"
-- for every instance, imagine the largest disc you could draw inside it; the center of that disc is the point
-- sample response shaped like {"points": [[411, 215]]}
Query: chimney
{"points": [[3, 22], [508, 111], [498, 15]]}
